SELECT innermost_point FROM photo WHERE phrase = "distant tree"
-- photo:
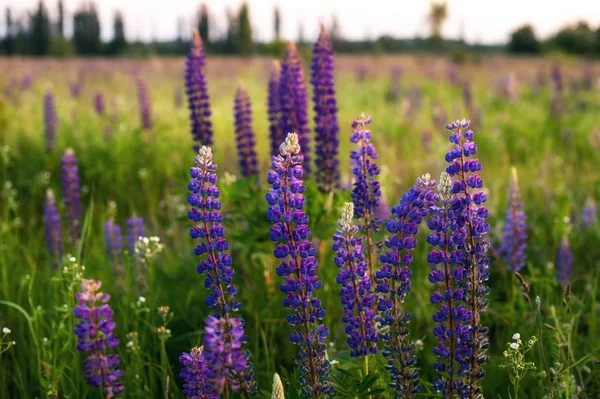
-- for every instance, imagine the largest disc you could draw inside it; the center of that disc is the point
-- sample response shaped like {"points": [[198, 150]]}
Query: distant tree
{"points": [[597, 41], [86, 31], [524, 41], [8, 44], [301, 38], [578, 39], [40, 34], [245, 30], [118, 43], [277, 22], [60, 25], [437, 16], [203, 24], [231, 44]]}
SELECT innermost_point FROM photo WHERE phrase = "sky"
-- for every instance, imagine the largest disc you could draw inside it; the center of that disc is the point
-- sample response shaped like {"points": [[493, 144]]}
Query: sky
{"points": [[481, 21]]}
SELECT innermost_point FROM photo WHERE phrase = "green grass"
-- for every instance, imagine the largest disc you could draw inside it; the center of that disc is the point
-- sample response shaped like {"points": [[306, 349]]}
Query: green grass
{"points": [[146, 173]]}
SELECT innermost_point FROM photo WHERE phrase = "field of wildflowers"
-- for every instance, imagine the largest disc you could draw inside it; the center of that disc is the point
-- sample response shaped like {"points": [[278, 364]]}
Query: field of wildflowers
{"points": [[315, 227]]}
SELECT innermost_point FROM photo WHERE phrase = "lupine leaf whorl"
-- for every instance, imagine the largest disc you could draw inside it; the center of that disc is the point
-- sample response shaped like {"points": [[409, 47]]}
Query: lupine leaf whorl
{"points": [[356, 292], [50, 121], [197, 94], [144, 104], [293, 101], [298, 267], [94, 336], [453, 318], [54, 238], [515, 235], [325, 106], [468, 204], [394, 285], [564, 261], [71, 195], [227, 361], [244, 134], [276, 134], [193, 374]]}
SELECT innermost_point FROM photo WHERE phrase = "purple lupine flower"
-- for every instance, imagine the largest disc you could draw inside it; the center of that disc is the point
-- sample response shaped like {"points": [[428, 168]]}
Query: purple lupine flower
{"points": [[197, 94], [276, 135], [114, 246], [361, 73], [135, 230], [144, 104], [394, 93], [99, 103], [224, 331], [71, 195], [244, 135], [293, 102], [564, 261], [394, 285], [587, 82], [557, 79], [194, 372], [366, 191], [298, 267], [468, 94], [95, 336], [75, 88], [356, 291], [468, 204], [453, 318], [54, 239], [26, 82], [515, 236], [50, 121], [588, 214], [326, 122]]}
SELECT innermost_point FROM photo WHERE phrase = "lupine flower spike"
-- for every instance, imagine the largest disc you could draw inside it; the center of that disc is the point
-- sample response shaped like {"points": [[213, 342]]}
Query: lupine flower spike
{"points": [[71, 195], [135, 230], [356, 292], [588, 215], [197, 94], [366, 191], [144, 104], [54, 239], [298, 267], [564, 261], [228, 363], [193, 375], [50, 121], [114, 247], [244, 134], [515, 236], [95, 336], [468, 204], [276, 135], [453, 318], [293, 101], [326, 123], [277, 392], [394, 285], [99, 103]]}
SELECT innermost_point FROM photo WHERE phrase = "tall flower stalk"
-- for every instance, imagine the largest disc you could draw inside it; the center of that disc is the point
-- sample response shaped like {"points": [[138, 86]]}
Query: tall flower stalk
{"points": [[54, 238], [325, 106], [228, 364], [276, 134], [114, 248], [293, 102], [193, 374], [468, 204], [515, 236], [135, 230], [99, 103], [394, 285], [95, 336], [144, 104], [197, 94], [71, 195], [356, 289], [298, 267], [564, 261], [366, 192], [50, 121], [244, 134]]}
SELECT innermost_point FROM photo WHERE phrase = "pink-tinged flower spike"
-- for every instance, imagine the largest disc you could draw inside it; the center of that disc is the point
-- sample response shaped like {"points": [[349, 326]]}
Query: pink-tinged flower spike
{"points": [[228, 364], [468, 205], [95, 336], [276, 135], [54, 238], [515, 236], [197, 94], [50, 121], [244, 134], [194, 372], [298, 267], [293, 101], [71, 195], [326, 122], [144, 104]]}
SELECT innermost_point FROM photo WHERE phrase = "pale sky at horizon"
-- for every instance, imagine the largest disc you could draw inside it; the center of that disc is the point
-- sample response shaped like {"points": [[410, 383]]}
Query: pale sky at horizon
{"points": [[482, 21]]}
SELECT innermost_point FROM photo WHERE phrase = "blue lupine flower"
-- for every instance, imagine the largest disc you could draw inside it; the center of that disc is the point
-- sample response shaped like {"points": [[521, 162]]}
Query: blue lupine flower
{"points": [[99, 103], [135, 230], [50, 121], [588, 214], [114, 246], [298, 267], [71, 195], [194, 372], [564, 261], [515, 236], [244, 134], [54, 238]]}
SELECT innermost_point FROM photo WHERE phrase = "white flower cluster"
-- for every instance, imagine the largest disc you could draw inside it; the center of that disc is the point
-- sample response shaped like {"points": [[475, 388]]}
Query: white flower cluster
{"points": [[148, 247]]}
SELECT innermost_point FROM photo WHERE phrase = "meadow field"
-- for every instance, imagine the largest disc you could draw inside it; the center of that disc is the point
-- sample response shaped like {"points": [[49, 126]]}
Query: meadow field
{"points": [[539, 115]]}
